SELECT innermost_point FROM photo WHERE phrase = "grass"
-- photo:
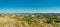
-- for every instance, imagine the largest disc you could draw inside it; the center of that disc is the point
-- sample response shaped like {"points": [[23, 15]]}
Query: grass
{"points": [[27, 21]]}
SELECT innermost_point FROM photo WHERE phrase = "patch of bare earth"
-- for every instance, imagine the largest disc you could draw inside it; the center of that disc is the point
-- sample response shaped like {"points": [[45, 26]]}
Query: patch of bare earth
{"points": [[8, 22]]}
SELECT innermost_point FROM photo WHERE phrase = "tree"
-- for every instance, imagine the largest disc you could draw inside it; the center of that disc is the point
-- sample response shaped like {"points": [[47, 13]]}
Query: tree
{"points": [[51, 19]]}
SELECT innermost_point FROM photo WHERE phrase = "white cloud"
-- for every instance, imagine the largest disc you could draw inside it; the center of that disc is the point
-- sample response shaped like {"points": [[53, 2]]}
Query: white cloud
{"points": [[30, 10]]}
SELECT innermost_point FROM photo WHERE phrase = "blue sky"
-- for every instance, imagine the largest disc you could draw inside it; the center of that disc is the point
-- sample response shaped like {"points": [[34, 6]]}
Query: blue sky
{"points": [[29, 6]]}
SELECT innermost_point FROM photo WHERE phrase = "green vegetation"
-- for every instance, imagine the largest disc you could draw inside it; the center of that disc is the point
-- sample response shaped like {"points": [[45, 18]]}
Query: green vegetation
{"points": [[33, 20]]}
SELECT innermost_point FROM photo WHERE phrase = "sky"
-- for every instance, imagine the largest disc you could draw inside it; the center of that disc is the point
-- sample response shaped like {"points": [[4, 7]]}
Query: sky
{"points": [[29, 6]]}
